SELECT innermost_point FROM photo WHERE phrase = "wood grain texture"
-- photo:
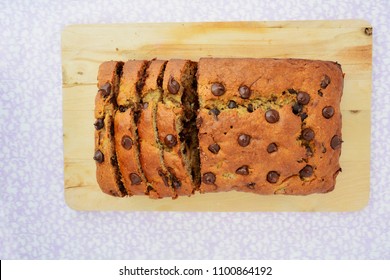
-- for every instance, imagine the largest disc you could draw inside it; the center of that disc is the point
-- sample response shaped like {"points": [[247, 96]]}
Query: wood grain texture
{"points": [[84, 47]]}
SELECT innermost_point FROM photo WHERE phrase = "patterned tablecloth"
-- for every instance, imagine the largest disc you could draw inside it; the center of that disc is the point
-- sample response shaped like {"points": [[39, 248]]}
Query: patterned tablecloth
{"points": [[35, 222]]}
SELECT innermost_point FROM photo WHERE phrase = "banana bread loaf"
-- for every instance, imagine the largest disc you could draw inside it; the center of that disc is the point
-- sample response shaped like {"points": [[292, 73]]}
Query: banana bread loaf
{"points": [[266, 126]]}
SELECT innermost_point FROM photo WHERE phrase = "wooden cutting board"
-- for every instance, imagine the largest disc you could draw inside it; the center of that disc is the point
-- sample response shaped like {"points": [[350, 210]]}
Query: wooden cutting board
{"points": [[84, 47]]}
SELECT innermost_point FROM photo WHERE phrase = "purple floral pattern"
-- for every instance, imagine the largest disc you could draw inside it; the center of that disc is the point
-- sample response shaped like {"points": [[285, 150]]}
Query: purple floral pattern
{"points": [[35, 222]]}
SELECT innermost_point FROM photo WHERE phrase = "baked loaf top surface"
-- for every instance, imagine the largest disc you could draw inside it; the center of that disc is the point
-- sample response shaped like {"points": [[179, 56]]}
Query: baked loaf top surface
{"points": [[269, 125]]}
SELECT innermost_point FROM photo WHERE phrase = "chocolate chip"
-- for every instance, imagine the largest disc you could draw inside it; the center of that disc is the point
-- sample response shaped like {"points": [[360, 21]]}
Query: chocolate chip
{"points": [[250, 108], [175, 182], [273, 177], [99, 157], [244, 140], [307, 171], [243, 170], [232, 104], [127, 142], [335, 142], [320, 93], [99, 124], [214, 148], [217, 89], [303, 98], [303, 116], [170, 140], [325, 81], [328, 112], [292, 91], [122, 108], [244, 91], [272, 148], [297, 108], [105, 90], [307, 134], [214, 112], [173, 85], [209, 178], [272, 116], [251, 185], [163, 177], [135, 179]]}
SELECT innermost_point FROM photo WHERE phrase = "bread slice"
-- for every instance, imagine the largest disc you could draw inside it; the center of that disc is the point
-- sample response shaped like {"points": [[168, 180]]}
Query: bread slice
{"points": [[151, 156], [176, 123], [108, 174], [126, 133]]}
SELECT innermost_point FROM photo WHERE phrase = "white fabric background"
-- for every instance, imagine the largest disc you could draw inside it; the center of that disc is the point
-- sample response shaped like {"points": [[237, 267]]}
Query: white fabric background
{"points": [[35, 223]]}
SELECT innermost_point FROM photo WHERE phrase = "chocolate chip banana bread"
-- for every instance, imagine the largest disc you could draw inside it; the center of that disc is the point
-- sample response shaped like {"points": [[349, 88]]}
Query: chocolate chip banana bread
{"points": [[176, 123], [269, 126], [266, 126], [107, 173]]}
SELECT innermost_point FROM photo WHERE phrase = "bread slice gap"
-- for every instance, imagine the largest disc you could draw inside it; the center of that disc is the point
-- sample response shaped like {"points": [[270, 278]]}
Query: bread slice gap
{"points": [[108, 174], [176, 122]]}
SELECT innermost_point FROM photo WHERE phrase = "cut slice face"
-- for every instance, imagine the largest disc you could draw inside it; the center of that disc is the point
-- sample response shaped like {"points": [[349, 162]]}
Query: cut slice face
{"points": [[176, 123], [126, 132], [108, 174], [151, 156]]}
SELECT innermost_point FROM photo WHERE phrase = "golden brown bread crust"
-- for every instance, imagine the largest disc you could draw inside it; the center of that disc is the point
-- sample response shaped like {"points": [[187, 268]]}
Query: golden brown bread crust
{"points": [[107, 172], [274, 84]]}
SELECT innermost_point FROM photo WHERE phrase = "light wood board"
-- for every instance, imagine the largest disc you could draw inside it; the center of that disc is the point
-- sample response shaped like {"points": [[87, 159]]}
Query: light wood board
{"points": [[84, 47]]}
